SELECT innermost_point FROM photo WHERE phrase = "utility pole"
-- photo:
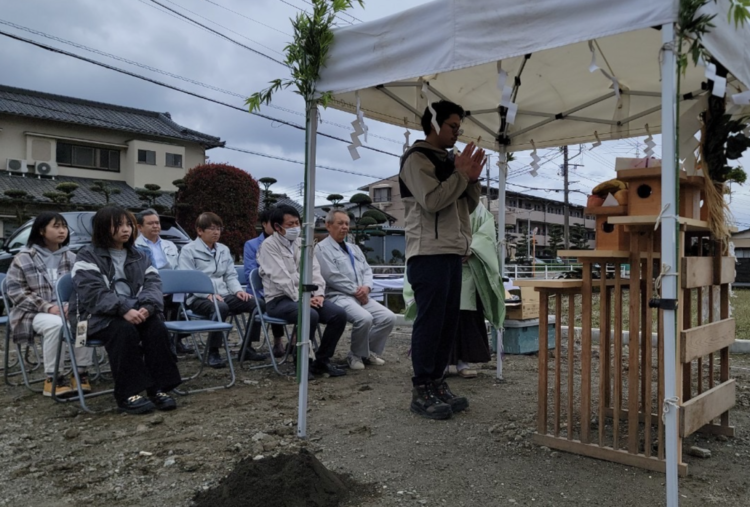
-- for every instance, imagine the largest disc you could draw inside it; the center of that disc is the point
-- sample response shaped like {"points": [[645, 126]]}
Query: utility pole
{"points": [[566, 206]]}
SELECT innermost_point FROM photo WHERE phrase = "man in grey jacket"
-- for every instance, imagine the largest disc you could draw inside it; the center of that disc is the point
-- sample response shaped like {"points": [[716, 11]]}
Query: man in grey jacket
{"points": [[348, 284], [206, 254], [439, 192]]}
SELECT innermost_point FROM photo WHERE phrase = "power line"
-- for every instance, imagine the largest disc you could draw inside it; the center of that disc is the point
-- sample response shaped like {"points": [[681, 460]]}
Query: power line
{"points": [[246, 17], [221, 34], [170, 74], [175, 88], [303, 10], [284, 159]]}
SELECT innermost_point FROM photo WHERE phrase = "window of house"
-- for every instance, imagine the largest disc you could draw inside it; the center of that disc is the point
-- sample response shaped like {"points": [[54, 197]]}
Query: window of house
{"points": [[382, 194], [512, 203], [173, 160], [537, 207], [87, 156], [147, 157]]}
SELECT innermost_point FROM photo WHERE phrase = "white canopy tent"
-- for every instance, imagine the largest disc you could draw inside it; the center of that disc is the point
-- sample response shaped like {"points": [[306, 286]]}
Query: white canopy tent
{"points": [[454, 49]]}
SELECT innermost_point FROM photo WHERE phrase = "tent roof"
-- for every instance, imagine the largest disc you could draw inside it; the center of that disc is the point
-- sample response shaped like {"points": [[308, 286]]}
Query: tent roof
{"points": [[456, 46]]}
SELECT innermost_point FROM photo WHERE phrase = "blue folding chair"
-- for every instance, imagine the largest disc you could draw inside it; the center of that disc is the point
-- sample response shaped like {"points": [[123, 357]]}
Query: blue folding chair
{"points": [[21, 358], [265, 320], [64, 290], [239, 319], [196, 282]]}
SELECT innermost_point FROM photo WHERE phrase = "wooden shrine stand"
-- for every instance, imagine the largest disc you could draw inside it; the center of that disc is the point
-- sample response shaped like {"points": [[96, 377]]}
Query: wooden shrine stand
{"points": [[605, 400]]}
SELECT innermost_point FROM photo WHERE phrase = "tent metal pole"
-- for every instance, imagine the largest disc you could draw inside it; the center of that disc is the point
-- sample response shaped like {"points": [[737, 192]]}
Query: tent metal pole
{"points": [[303, 334], [669, 255], [503, 166]]}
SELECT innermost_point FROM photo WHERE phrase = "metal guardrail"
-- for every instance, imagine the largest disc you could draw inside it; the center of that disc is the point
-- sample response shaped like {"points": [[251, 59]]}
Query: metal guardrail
{"points": [[542, 272]]}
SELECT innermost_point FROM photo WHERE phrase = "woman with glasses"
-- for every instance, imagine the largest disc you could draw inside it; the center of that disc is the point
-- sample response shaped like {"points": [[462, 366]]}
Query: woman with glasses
{"points": [[118, 297], [206, 254], [31, 288]]}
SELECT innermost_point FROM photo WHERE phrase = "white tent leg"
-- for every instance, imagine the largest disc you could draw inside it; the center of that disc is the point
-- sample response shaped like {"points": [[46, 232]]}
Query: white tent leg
{"points": [[503, 161], [669, 255], [303, 333]]}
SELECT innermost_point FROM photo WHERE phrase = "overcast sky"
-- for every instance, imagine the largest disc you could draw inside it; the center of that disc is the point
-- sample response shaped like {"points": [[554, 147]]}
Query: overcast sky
{"points": [[141, 31]]}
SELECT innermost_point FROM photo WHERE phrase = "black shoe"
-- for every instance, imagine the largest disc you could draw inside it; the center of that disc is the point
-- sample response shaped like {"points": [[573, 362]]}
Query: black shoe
{"points": [[135, 405], [318, 368], [253, 355], [444, 394], [215, 360], [163, 401], [425, 403], [182, 348]]}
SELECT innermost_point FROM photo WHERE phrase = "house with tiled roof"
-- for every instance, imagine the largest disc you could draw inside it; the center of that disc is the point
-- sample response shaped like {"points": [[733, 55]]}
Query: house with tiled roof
{"points": [[46, 139]]}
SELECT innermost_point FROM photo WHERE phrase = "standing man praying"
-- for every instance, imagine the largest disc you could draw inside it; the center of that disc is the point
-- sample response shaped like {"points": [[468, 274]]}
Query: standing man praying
{"points": [[439, 192]]}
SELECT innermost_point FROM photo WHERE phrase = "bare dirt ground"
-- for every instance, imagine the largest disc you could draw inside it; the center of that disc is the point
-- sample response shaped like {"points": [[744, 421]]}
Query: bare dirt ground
{"points": [[54, 455]]}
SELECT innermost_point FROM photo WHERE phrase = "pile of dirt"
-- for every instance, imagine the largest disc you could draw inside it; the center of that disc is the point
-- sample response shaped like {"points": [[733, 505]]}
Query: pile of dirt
{"points": [[287, 480]]}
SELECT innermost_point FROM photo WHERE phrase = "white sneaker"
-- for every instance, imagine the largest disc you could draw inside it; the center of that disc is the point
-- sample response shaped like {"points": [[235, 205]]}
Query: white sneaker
{"points": [[373, 359], [355, 363]]}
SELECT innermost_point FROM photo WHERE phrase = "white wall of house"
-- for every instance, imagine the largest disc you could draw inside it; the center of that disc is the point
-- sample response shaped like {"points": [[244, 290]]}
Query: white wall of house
{"points": [[37, 141]]}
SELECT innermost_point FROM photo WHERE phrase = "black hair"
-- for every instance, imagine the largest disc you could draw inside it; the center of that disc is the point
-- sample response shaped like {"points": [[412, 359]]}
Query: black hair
{"points": [[108, 218], [208, 219], [36, 237], [444, 110], [145, 213], [265, 215], [277, 215]]}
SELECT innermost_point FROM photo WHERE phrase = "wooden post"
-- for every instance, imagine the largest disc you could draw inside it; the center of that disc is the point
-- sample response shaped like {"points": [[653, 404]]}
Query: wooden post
{"points": [[586, 294], [724, 372], [542, 409], [558, 352], [617, 395], [687, 372], [633, 327], [647, 332], [700, 323], [571, 364], [603, 349]]}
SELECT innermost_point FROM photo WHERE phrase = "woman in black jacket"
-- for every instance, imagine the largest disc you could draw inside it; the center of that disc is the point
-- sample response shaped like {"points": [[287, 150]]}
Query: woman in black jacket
{"points": [[118, 294]]}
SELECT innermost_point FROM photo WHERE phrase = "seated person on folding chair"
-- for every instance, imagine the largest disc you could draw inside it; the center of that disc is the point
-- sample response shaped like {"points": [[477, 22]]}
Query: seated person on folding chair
{"points": [[118, 295], [279, 260], [348, 284], [31, 287], [206, 254], [164, 255], [251, 262]]}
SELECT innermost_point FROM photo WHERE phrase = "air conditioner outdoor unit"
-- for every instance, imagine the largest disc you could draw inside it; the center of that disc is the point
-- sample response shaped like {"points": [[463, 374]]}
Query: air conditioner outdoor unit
{"points": [[46, 169], [16, 165]]}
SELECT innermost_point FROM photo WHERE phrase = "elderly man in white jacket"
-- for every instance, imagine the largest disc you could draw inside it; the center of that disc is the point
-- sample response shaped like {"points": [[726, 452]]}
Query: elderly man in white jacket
{"points": [[348, 284]]}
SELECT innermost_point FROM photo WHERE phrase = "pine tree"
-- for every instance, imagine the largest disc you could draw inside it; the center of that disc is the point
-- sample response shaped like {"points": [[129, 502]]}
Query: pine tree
{"points": [[579, 237], [555, 241]]}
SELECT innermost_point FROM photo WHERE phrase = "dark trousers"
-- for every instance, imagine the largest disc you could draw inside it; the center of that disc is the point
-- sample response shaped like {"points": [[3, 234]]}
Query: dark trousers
{"points": [[276, 329], [334, 317], [140, 357], [436, 281], [232, 305]]}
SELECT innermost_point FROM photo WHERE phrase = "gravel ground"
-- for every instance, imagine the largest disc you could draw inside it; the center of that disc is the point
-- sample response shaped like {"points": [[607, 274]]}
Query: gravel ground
{"points": [[360, 425]]}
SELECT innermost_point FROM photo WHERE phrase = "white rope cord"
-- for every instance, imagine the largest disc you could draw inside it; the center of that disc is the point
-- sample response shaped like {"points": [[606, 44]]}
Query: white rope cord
{"points": [[668, 404]]}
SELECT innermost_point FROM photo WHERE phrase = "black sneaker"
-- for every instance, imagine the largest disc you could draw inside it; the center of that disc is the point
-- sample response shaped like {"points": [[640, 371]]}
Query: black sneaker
{"points": [[135, 405], [163, 401], [318, 368], [443, 392], [425, 403], [253, 355], [215, 360]]}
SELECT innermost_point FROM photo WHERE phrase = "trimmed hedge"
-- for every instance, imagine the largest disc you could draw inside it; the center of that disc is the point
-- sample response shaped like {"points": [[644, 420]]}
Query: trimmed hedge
{"points": [[227, 191]]}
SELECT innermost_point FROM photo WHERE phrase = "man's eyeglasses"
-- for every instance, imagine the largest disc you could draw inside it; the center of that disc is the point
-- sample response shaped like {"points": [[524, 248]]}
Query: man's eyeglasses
{"points": [[215, 229], [456, 128]]}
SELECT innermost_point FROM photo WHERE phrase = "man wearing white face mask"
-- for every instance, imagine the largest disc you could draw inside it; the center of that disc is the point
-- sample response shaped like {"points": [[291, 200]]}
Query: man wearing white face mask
{"points": [[278, 266]]}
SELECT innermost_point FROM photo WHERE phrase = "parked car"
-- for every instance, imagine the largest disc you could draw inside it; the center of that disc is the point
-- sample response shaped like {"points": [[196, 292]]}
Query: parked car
{"points": [[79, 226]]}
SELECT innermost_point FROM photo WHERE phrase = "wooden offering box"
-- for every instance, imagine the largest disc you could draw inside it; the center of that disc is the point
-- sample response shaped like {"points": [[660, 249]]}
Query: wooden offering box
{"points": [[644, 192], [610, 236]]}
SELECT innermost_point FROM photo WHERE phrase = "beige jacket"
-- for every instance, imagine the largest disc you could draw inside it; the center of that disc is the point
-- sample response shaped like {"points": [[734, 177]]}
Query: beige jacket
{"points": [[437, 203], [278, 267]]}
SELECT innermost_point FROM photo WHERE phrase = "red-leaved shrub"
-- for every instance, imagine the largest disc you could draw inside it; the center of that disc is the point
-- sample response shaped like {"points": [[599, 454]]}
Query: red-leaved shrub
{"points": [[227, 191]]}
